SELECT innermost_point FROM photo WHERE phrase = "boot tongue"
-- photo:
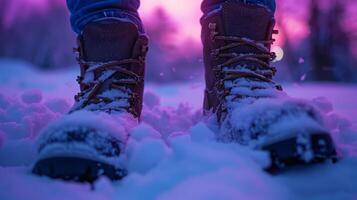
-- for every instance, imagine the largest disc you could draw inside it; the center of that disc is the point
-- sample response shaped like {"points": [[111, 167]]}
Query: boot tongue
{"points": [[247, 21], [108, 41]]}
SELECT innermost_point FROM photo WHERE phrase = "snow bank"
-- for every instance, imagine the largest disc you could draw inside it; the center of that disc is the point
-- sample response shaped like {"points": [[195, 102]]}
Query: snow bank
{"points": [[21, 119], [170, 155], [24, 117], [198, 169]]}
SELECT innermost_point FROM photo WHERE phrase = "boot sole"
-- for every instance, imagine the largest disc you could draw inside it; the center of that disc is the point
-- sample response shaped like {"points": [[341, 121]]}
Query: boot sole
{"points": [[76, 169], [285, 153]]}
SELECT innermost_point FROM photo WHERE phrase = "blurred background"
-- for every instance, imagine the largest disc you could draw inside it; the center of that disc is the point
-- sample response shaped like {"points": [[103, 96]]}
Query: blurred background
{"points": [[317, 40]]}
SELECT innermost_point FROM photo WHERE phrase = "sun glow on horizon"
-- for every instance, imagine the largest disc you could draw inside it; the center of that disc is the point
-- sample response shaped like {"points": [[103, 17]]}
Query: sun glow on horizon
{"points": [[185, 15]]}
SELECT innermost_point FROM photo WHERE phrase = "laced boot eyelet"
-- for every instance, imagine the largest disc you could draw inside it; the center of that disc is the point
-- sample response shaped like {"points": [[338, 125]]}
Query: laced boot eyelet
{"points": [[212, 27], [134, 96], [215, 53], [78, 96], [217, 75], [144, 49], [272, 56], [76, 50], [97, 100], [279, 87], [79, 79]]}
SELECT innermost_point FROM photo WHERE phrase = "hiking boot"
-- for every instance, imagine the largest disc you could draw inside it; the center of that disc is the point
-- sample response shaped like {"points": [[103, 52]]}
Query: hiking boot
{"points": [[89, 141], [249, 107]]}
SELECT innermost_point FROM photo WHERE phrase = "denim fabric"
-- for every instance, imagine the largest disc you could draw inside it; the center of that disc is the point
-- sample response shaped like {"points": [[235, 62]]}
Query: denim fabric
{"points": [[209, 5], [85, 11]]}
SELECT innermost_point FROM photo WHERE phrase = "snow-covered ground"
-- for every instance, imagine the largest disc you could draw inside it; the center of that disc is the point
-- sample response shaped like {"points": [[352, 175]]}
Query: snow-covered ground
{"points": [[187, 166]]}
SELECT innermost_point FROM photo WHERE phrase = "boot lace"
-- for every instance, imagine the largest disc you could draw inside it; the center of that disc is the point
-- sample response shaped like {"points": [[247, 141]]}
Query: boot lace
{"points": [[239, 81], [117, 95]]}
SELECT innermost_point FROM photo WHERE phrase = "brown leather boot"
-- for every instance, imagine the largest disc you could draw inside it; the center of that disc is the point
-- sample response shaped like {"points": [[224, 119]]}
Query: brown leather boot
{"points": [[239, 34], [88, 142], [112, 60], [237, 39]]}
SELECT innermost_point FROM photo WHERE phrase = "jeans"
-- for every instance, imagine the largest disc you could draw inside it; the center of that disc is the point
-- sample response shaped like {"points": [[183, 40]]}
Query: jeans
{"points": [[85, 11]]}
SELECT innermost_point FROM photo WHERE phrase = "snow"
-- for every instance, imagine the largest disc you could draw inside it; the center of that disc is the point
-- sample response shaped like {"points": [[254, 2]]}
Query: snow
{"points": [[270, 120], [31, 96], [96, 127], [171, 154]]}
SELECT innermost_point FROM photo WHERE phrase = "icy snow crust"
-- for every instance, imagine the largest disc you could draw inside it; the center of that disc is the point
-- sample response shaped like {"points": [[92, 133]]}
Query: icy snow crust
{"points": [[171, 154]]}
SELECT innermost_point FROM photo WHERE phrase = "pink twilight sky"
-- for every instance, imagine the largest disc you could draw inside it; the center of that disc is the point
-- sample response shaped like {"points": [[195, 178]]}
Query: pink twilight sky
{"points": [[186, 14]]}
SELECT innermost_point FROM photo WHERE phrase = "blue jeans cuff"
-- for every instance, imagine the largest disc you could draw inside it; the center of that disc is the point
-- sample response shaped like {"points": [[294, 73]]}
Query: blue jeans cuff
{"points": [[208, 6], [79, 21]]}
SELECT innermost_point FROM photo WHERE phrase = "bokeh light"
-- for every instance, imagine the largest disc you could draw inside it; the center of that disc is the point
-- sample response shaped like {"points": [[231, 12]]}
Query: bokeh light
{"points": [[279, 52]]}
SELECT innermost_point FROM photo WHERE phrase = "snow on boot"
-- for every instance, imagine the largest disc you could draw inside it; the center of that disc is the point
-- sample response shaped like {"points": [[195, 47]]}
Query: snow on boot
{"points": [[250, 108], [89, 141]]}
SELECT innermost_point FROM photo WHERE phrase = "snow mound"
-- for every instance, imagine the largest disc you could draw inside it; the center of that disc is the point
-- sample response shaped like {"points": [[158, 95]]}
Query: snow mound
{"points": [[25, 117], [171, 154], [187, 168]]}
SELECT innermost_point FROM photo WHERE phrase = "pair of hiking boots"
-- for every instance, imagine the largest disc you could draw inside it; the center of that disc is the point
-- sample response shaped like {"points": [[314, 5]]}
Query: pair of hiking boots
{"points": [[248, 106]]}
